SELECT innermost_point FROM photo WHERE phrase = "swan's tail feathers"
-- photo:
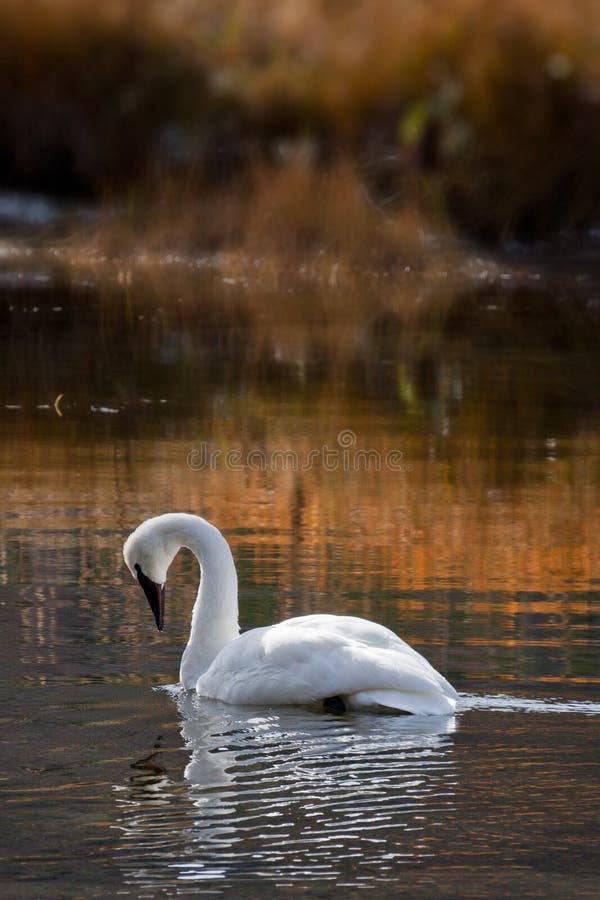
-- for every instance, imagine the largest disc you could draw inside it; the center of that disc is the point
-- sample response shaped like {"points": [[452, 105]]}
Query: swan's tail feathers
{"points": [[419, 703]]}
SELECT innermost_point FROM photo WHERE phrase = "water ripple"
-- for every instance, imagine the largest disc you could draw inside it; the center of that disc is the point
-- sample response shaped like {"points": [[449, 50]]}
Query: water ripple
{"points": [[507, 703], [288, 795]]}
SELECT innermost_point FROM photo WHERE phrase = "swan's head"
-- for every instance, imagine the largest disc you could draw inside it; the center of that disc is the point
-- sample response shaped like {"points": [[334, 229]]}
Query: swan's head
{"points": [[148, 553]]}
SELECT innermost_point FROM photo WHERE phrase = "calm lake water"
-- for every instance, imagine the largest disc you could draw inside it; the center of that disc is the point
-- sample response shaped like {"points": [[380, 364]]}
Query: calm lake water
{"points": [[439, 474]]}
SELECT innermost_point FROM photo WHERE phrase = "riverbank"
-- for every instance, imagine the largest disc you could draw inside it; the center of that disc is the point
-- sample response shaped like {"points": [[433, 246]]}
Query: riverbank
{"points": [[325, 126]]}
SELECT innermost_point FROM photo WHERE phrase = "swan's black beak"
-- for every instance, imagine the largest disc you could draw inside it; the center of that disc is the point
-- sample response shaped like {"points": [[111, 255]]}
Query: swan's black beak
{"points": [[156, 596]]}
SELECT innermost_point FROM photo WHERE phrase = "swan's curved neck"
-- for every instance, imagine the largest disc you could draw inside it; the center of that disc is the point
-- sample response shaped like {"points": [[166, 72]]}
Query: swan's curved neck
{"points": [[215, 613]]}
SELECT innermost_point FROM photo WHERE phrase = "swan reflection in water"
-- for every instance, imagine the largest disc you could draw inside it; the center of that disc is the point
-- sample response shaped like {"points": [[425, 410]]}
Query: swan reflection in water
{"points": [[287, 794]]}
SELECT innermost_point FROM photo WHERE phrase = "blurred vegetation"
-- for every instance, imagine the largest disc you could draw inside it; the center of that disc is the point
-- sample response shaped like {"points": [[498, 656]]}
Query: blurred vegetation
{"points": [[327, 122]]}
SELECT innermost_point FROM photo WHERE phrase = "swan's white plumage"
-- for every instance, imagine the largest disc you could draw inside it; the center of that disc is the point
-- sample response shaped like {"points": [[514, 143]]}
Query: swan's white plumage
{"points": [[298, 661], [306, 659]]}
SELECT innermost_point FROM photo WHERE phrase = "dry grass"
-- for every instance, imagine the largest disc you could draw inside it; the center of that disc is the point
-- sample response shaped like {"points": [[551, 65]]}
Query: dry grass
{"points": [[483, 115], [275, 226]]}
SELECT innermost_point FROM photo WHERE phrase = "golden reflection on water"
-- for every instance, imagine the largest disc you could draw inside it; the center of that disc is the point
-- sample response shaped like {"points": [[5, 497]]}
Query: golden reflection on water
{"points": [[355, 463], [385, 545], [418, 526]]}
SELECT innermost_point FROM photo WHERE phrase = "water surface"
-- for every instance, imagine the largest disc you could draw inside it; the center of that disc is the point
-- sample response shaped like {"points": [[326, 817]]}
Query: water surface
{"points": [[441, 477]]}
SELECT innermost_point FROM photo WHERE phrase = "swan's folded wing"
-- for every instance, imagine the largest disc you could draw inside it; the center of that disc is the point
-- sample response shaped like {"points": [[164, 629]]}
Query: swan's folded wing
{"points": [[305, 660]]}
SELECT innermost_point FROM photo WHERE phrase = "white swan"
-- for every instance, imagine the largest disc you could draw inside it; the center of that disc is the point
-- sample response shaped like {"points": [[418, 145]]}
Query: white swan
{"points": [[340, 661]]}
